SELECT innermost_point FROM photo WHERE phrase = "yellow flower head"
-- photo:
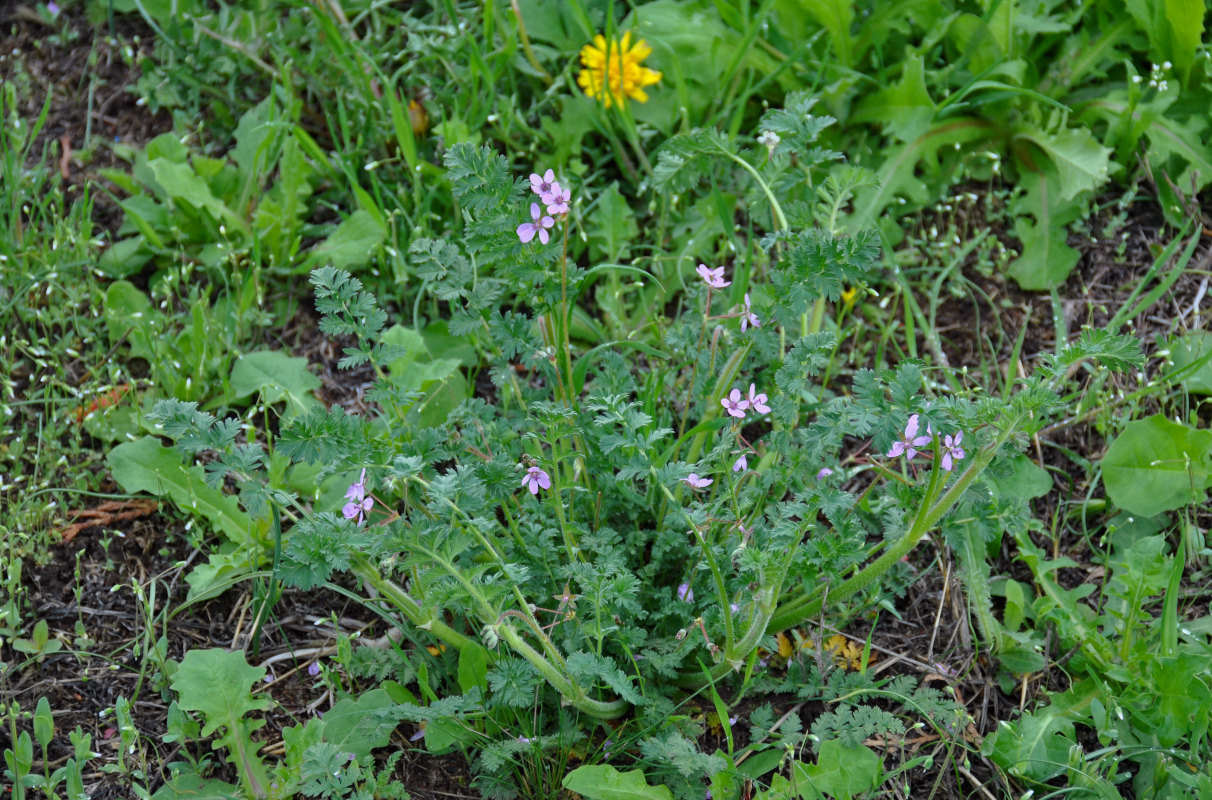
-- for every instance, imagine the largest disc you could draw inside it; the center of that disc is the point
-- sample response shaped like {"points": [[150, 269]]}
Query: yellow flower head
{"points": [[612, 71]]}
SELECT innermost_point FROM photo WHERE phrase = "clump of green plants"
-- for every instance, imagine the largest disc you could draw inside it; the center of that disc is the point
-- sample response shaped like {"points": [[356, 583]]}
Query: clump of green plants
{"points": [[620, 524]]}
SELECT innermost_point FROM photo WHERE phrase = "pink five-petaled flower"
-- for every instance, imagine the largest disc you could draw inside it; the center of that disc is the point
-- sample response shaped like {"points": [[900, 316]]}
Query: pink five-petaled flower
{"points": [[540, 224], [358, 503], [824, 473], [541, 184], [536, 479], [951, 450], [685, 593], [557, 200], [695, 482], [910, 442], [713, 277], [741, 464], [757, 400], [748, 318], [734, 404]]}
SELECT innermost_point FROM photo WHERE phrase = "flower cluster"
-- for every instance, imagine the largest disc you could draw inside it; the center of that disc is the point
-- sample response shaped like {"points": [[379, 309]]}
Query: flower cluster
{"points": [[554, 197], [909, 443], [736, 404]]}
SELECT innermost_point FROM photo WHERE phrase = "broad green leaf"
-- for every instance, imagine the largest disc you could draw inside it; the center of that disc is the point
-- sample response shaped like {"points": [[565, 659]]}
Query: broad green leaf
{"points": [[1081, 162], [254, 133], [358, 725], [473, 668], [904, 108], [600, 782], [44, 723], [611, 226], [129, 314], [219, 572], [1184, 697], [1036, 747], [416, 369], [145, 465], [1186, 20], [168, 147], [841, 771], [351, 244], [1024, 481], [1046, 258], [182, 183], [277, 377], [1019, 659], [1157, 465], [217, 684], [148, 217], [1191, 357], [904, 169], [837, 18], [125, 257], [761, 763], [443, 734], [976, 42]]}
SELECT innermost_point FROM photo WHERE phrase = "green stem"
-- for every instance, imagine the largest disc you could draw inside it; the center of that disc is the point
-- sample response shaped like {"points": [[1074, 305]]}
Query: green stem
{"points": [[808, 606], [779, 216], [721, 588], [575, 695], [362, 567]]}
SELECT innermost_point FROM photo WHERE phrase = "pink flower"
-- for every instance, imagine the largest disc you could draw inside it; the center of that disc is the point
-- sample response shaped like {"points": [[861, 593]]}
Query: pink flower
{"points": [[741, 464], [541, 184], [557, 200], [735, 405], [527, 230], [748, 318], [757, 401], [910, 442], [951, 450], [713, 277], [536, 479], [695, 482], [686, 593], [359, 503], [824, 473]]}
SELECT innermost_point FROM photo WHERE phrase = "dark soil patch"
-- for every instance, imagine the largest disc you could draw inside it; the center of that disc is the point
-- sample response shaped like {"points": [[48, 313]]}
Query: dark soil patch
{"points": [[85, 72], [87, 589]]}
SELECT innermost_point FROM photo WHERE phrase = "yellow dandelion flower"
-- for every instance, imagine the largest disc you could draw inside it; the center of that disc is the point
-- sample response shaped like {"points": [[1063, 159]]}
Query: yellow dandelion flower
{"points": [[612, 72]]}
